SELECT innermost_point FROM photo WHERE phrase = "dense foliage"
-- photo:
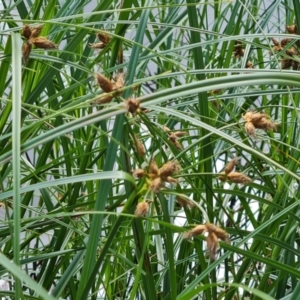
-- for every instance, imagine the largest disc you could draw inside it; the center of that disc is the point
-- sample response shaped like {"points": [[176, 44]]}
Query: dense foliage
{"points": [[149, 149]]}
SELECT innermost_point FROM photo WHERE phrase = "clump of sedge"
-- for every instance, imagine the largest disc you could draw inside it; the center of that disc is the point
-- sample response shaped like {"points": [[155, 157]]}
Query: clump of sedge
{"points": [[108, 86], [31, 35], [214, 233], [257, 120], [235, 177], [156, 177]]}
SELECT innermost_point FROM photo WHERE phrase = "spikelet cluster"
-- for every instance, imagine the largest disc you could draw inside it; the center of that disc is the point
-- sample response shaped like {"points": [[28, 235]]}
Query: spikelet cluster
{"points": [[174, 136], [288, 47], [235, 177], [104, 39], [214, 233], [142, 209], [31, 34], [111, 88], [239, 52], [156, 177], [255, 120]]}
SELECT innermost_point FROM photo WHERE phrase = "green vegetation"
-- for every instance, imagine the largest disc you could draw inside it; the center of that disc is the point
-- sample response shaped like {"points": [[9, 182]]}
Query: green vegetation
{"points": [[150, 150]]}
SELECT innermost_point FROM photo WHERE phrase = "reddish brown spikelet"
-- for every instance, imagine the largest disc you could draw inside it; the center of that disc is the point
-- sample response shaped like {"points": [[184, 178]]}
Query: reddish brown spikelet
{"points": [[104, 98], [256, 117], [153, 169], [219, 232], [26, 31], [199, 229], [168, 169], [250, 129], [275, 42], [36, 31], [104, 83], [43, 43], [265, 124], [230, 166], [212, 245], [238, 50], [285, 42], [138, 173], [156, 185], [133, 105], [103, 37], [97, 46], [237, 177], [179, 133], [140, 147], [222, 177], [171, 180], [26, 49], [142, 209]]}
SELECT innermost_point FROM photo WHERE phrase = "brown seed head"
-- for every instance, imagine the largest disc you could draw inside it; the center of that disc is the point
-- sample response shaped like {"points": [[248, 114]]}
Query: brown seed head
{"points": [[219, 232], [138, 173], [222, 177], [179, 133], [36, 31], [43, 43], [230, 166], [292, 51], [265, 124], [26, 31], [275, 42], [285, 42], [248, 116], [171, 180], [104, 83], [156, 185], [168, 169], [237, 177], [142, 209], [103, 37], [256, 117]]}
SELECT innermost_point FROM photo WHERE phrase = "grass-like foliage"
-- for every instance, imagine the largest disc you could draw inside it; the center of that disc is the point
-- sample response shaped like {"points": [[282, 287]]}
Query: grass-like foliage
{"points": [[149, 149]]}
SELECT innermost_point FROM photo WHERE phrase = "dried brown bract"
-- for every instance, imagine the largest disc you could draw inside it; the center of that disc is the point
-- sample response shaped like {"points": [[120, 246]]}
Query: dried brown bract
{"points": [[142, 209], [230, 166], [214, 233], [104, 98], [237, 177], [43, 43]]}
